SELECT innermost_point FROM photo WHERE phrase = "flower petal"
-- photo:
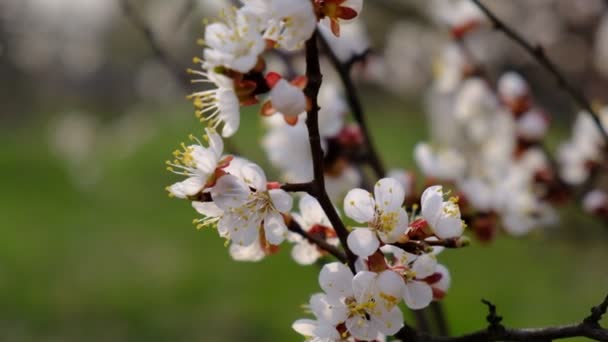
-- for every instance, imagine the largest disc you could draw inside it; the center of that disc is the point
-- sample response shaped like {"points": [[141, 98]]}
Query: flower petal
{"points": [[336, 280], [254, 176], [208, 209], [281, 200], [189, 187], [230, 192], [312, 212], [274, 228], [448, 227], [361, 328], [216, 144], [389, 194], [389, 322], [417, 294], [243, 230], [359, 205], [305, 253], [431, 203], [390, 289], [328, 309], [251, 253], [363, 242], [424, 266], [364, 284]]}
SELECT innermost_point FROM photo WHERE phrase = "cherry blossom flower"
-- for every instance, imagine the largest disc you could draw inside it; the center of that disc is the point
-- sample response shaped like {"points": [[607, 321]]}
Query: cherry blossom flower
{"points": [[313, 220], [443, 217], [387, 220], [417, 293], [249, 206], [217, 106], [235, 43], [202, 165], [364, 304], [289, 22]]}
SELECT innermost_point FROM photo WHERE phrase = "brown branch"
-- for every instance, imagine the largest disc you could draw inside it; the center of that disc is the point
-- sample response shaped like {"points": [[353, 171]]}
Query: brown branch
{"points": [[589, 328], [315, 78], [343, 70], [293, 226], [298, 187], [538, 53]]}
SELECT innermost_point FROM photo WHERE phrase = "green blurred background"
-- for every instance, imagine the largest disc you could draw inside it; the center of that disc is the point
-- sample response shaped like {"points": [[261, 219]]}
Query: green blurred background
{"points": [[94, 250]]}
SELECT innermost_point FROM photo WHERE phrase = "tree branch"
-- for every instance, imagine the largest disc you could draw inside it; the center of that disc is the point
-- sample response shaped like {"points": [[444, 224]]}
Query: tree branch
{"points": [[315, 78], [589, 328], [354, 103], [538, 53], [298, 187]]}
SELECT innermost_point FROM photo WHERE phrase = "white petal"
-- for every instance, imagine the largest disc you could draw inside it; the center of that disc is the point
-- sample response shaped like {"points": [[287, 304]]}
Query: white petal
{"points": [[281, 200], [288, 99], [364, 286], [448, 227], [389, 322], [254, 176], [215, 142], [389, 194], [250, 253], [393, 233], [229, 192], [305, 253], [208, 209], [242, 230], [305, 327], [312, 212], [189, 187], [359, 205], [424, 266], [274, 228], [431, 204], [361, 329], [336, 280], [205, 160], [390, 288], [417, 294], [328, 309], [363, 242], [312, 328], [446, 280]]}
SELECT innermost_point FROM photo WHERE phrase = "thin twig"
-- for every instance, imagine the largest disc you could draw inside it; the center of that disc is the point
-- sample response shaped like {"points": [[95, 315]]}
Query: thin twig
{"points": [[589, 328], [538, 53], [355, 105], [315, 78]]}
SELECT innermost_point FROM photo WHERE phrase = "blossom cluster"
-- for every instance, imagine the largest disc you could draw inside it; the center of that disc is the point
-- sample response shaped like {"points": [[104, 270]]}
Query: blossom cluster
{"points": [[487, 144]]}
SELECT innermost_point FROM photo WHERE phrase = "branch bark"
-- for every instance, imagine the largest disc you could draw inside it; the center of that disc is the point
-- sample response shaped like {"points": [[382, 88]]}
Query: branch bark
{"points": [[315, 78], [495, 331], [343, 70], [538, 53]]}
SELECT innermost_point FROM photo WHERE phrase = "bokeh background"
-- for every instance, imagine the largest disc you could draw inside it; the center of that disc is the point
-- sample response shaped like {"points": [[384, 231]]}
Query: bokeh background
{"points": [[92, 249]]}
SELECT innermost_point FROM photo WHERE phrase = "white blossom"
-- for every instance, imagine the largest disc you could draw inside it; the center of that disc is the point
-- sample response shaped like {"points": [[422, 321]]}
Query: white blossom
{"points": [[386, 219]]}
